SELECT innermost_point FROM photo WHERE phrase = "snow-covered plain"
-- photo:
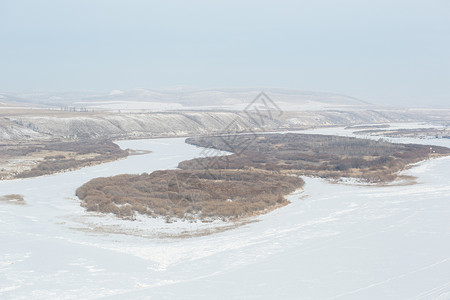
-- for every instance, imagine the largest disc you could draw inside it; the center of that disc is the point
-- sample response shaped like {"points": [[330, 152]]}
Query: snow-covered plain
{"points": [[333, 241]]}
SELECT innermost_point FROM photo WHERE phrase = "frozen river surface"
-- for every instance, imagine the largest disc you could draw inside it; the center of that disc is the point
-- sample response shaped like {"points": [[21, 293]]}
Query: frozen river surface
{"points": [[335, 241]]}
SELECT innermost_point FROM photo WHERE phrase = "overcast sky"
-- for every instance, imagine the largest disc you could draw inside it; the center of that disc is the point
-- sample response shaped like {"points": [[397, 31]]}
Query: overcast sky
{"points": [[388, 52]]}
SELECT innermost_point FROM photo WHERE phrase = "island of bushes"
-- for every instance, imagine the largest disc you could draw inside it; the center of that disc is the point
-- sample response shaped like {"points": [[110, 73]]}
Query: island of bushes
{"points": [[255, 179]]}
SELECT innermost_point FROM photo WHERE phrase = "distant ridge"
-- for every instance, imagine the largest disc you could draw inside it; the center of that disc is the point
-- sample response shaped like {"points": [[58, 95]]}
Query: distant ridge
{"points": [[184, 97]]}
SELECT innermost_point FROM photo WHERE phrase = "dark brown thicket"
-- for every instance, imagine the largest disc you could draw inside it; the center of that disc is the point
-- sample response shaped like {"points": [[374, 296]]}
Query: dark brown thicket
{"points": [[316, 155]]}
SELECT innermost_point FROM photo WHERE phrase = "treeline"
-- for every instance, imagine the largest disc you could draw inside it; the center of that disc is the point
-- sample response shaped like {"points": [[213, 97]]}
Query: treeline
{"points": [[99, 150], [413, 132], [196, 194]]}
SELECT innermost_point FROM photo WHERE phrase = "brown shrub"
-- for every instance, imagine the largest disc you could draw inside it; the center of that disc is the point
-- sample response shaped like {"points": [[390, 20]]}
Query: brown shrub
{"points": [[230, 193]]}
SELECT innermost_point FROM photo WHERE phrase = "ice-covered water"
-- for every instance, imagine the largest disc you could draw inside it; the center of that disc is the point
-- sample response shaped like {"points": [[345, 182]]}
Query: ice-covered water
{"points": [[333, 242]]}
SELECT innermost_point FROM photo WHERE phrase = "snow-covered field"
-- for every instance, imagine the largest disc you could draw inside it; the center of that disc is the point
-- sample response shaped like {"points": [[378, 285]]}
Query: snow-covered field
{"points": [[334, 241]]}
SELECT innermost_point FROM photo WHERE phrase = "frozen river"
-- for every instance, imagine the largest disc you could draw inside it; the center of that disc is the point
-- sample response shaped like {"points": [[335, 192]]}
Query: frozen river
{"points": [[334, 241]]}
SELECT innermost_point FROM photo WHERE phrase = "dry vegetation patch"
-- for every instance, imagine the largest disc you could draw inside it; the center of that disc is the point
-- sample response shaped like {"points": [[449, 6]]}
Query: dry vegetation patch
{"points": [[13, 199], [31, 160], [189, 194], [315, 155]]}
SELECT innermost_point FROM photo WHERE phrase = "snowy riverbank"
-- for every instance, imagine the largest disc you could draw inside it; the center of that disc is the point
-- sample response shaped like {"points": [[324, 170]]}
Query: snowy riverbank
{"points": [[333, 241]]}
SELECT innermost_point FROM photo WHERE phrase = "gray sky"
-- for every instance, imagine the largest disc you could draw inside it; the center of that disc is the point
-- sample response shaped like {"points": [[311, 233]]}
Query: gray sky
{"points": [[388, 52]]}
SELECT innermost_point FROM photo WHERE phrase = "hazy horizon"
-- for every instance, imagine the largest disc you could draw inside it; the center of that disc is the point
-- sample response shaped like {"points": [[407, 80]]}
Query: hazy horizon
{"points": [[386, 52]]}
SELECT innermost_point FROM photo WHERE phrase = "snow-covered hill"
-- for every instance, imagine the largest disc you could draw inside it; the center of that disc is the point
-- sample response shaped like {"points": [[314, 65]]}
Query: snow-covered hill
{"points": [[38, 123], [186, 98]]}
